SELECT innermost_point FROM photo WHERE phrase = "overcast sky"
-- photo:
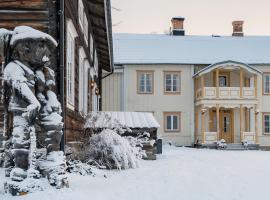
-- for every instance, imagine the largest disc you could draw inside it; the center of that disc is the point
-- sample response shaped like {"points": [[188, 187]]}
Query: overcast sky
{"points": [[203, 17]]}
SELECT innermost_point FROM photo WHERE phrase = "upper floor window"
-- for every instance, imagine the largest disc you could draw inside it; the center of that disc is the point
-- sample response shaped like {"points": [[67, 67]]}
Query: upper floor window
{"points": [[85, 28], [91, 47], [172, 121], [82, 82], [266, 83], [71, 34], [83, 20], [172, 82], [266, 123], [80, 12], [145, 81]]}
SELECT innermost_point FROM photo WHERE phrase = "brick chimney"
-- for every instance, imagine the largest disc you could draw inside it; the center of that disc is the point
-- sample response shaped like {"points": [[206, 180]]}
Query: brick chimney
{"points": [[178, 26], [238, 28]]}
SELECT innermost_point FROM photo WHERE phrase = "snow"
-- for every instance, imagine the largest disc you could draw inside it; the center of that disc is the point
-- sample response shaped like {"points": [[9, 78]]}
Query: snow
{"points": [[180, 173], [26, 32], [167, 49], [126, 119]]}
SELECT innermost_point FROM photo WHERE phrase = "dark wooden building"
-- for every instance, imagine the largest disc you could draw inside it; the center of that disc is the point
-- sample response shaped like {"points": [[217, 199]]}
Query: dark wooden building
{"points": [[82, 29]]}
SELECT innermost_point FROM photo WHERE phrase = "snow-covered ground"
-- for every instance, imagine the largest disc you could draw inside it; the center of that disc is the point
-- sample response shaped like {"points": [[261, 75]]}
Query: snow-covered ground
{"points": [[180, 173]]}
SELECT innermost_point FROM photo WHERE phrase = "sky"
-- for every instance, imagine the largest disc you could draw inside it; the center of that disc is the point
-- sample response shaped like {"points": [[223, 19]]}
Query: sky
{"points": [[203, 17]]}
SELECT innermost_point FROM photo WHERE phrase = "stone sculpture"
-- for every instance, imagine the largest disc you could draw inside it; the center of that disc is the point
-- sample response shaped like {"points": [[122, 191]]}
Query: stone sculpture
{"points": [[32, 102]]}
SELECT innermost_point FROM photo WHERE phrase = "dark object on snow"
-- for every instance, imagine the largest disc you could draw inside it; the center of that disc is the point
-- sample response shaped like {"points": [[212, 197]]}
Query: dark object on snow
{"points": [[159, 146]]}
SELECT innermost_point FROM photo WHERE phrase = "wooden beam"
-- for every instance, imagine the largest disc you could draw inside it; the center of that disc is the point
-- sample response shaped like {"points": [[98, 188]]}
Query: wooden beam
{"points": [[217, 82], [202, 126], [256, 125], [202, 85], [241, 83], [241, 119], [196, 124], [256, 86], [217, 117]]}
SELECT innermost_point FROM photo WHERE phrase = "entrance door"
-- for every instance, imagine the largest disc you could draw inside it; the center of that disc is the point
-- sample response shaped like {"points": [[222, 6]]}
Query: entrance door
{"points": [[226, 126]]}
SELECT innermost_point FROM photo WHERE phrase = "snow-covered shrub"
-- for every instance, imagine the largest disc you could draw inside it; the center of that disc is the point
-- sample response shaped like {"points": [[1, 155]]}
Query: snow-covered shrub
{"points": [[221, 144], [113, 151]]}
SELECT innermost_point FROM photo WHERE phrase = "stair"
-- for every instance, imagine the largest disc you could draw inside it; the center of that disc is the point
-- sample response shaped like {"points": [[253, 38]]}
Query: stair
{"points": [[240, 147], [235, 146]]}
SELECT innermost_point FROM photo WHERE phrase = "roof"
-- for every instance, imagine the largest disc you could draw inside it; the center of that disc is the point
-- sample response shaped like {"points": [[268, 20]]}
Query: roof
{"points": [[100, 12], [167, 49], [229, 63], [126, 119]]}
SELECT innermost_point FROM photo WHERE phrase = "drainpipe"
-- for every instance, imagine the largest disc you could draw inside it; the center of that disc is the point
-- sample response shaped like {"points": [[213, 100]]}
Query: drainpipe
{"points": [[61, 65]]}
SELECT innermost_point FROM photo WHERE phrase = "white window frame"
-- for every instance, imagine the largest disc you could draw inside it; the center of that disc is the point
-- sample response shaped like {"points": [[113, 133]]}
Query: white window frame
{"points": [[83, 21], [178, 85], [91, 47], [71, 34], [265, 83], [82, 57], [96, 62], [81, 13], [145, 73], [85, 28], [171, 115], [86, 86]]}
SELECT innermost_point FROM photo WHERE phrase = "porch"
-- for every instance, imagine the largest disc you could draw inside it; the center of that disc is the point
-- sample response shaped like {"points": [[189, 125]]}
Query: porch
{"points": [[232, 123], [226, 104]]}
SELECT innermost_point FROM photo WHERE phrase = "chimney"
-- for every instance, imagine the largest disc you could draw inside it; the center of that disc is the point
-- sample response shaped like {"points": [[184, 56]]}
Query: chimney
{"points": [[238, 28], [178, 26]]}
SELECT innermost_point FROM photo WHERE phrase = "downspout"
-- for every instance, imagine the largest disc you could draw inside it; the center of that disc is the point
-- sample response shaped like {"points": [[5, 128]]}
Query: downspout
{"points": [[61, 65]]}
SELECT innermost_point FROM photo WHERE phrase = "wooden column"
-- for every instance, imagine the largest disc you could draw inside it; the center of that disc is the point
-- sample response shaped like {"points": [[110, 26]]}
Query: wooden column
{"points": [[217, 117], [202, 126], [202, 85], [241, 125], [255, 86], [217, 82], [256, 125], [241, 82], [196, 124]]}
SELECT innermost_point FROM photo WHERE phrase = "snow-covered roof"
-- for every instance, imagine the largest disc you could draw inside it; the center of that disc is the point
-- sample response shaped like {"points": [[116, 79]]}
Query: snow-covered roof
{"points": [[167, 49], [126, 119], [229, 64]]}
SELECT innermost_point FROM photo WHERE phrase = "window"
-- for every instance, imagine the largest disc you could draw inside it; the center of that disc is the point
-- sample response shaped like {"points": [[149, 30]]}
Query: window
{"points": [[83, 20], [223, 81], [96, 62], [266, 123], [172, 82], [172, 121], [145, 81], [266, 83], [80, 12], [70, 62], [85, 28], [91, 47], [83, 83]]}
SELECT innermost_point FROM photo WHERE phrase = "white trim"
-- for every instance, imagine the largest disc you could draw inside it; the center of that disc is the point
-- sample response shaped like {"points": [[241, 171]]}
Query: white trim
{"points": [[71, 34], [82, 57], [80, 13]]}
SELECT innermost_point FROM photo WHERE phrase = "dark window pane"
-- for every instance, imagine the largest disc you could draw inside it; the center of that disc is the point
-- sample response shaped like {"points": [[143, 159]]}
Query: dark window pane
{"points": [[175, 122], [169, 127]]}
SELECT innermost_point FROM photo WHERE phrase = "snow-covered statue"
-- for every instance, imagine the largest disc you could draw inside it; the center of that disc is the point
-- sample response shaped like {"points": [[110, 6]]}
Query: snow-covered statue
{"points": [[31, 99]]}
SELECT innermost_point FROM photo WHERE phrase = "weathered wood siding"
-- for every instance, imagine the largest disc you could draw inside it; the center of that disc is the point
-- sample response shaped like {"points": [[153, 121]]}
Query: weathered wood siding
{"points": [[74, 122]]}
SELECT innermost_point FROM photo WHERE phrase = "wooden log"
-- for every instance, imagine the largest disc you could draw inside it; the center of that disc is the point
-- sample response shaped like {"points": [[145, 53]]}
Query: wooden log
{"points": [[23, 4], [23, 16]]}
